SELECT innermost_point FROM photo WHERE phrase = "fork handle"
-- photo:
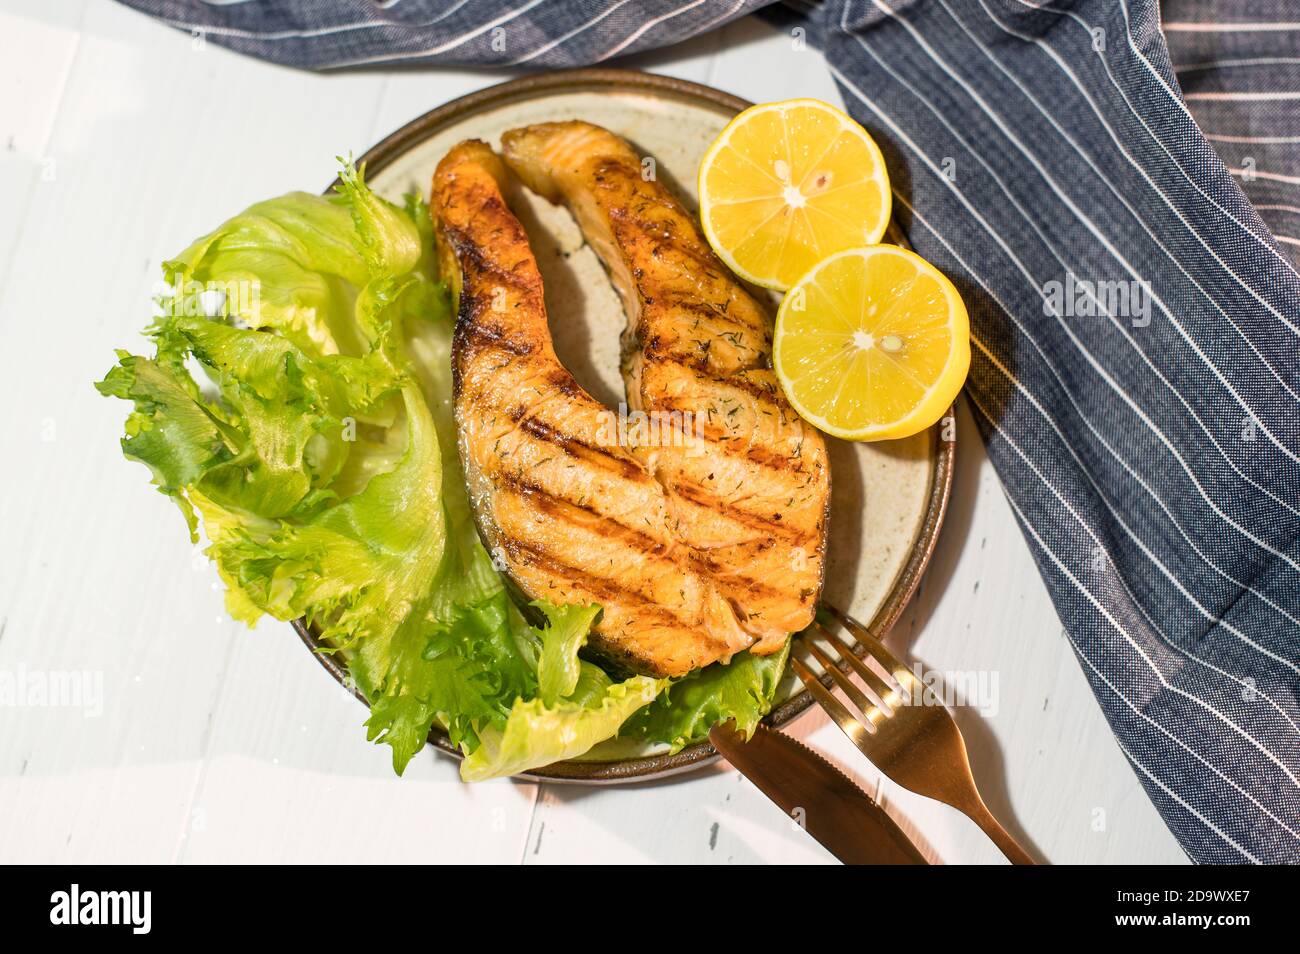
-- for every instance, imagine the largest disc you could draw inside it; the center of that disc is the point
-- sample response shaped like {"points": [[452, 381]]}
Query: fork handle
{"points": [[977, 812]]}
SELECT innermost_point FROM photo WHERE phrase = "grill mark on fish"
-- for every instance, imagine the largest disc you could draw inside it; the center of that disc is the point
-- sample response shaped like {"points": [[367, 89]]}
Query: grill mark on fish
{"points": [[565, 507], [563, 382], [741, 382], [664, 236], [598, 586], [726, 441], [709, 499], [579, 449], [749, 582], [479, 334], [653, 345], [474, 259]]}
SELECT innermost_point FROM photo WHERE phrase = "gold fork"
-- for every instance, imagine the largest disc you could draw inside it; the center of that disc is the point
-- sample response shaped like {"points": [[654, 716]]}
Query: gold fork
{"points": [[904, 729]]}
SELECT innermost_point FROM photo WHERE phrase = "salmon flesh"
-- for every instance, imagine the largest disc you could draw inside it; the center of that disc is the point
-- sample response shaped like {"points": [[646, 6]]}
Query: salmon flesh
{"points": [[749, 485], [681, 541]]}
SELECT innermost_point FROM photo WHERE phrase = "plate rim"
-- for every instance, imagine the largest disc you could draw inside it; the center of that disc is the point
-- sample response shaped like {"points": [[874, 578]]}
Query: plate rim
{"points": [[701, 754]]}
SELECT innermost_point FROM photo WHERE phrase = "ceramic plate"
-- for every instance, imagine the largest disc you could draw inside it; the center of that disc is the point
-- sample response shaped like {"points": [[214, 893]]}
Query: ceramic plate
{"points": [[887, 498]]}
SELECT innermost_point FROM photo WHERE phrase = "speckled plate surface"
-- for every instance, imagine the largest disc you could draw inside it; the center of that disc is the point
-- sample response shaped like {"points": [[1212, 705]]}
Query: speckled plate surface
{"points": [[887, 499]]}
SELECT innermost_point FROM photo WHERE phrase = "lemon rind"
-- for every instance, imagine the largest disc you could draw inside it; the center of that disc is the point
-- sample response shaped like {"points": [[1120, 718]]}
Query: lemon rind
{"points": [[724, 137], [931, 408]]}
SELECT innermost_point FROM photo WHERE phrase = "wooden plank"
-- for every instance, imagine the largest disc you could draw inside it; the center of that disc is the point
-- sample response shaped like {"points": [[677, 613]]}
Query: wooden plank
{"points": [[96, 574], [37, 54], [288, 776], [715, 817]]}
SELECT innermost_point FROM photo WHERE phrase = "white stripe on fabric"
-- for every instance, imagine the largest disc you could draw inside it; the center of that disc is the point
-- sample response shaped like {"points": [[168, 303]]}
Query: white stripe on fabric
{"points": [[451, 44], [703, 29], [1177, 100], [1102, 441], [1183, 802], [714, 22], [1213, 368], [629, 40], [446, 13], [1139, 219], [1146, 551], [1161, 245], [1196, 755], [1195, 233], [1114, 513], [1263, 545], [1208, 433], [1248, 174], [1229, 63], [1101, 608], [1110, 507], [1010, 441], [1117, 140], [1179, 26], [546, 48], [1263, 140], [1247, 97], [272, 35], [1024, 522]]}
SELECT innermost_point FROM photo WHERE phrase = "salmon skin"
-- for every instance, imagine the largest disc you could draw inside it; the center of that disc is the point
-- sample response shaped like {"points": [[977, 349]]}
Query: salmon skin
{"points": [[571, 516], [747, 480]]}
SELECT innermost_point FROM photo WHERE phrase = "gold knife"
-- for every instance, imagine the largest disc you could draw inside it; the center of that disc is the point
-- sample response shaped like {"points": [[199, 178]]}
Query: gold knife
{"points": [[819, 797]]}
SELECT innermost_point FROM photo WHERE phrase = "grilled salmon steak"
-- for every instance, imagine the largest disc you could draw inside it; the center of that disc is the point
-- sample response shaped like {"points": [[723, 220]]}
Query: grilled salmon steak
{"points": [[747, 480], [572, 516]]}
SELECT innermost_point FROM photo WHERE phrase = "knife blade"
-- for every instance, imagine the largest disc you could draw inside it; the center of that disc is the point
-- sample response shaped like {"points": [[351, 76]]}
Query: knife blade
{"points": [[824, 801]]}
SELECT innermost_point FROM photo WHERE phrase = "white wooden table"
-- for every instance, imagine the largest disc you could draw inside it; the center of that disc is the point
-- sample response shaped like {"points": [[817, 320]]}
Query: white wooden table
{"points": [[198, 741]]}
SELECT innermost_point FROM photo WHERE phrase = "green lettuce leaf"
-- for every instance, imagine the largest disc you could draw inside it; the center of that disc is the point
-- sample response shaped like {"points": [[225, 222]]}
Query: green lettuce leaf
{"points": [[536, 734], [574, 706], [743, 690], [558, 668], [171, 430]]}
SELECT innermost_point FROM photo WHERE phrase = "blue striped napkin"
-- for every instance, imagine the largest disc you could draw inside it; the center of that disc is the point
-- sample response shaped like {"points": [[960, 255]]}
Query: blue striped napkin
{"points": [[1120, 205]]}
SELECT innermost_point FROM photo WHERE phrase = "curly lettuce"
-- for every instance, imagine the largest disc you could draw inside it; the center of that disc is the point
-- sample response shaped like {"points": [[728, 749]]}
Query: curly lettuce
{"points": [[742, 690]]}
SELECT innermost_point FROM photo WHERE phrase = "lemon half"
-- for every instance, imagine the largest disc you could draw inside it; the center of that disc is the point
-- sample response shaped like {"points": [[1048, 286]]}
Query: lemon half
{"points": [[787, 184], [872, 344]]}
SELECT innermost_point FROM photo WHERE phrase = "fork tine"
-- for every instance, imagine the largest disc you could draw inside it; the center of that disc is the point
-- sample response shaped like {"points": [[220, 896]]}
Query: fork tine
{"points": [[873, 710], [884, 692], [876, 648], [855, 729]]}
